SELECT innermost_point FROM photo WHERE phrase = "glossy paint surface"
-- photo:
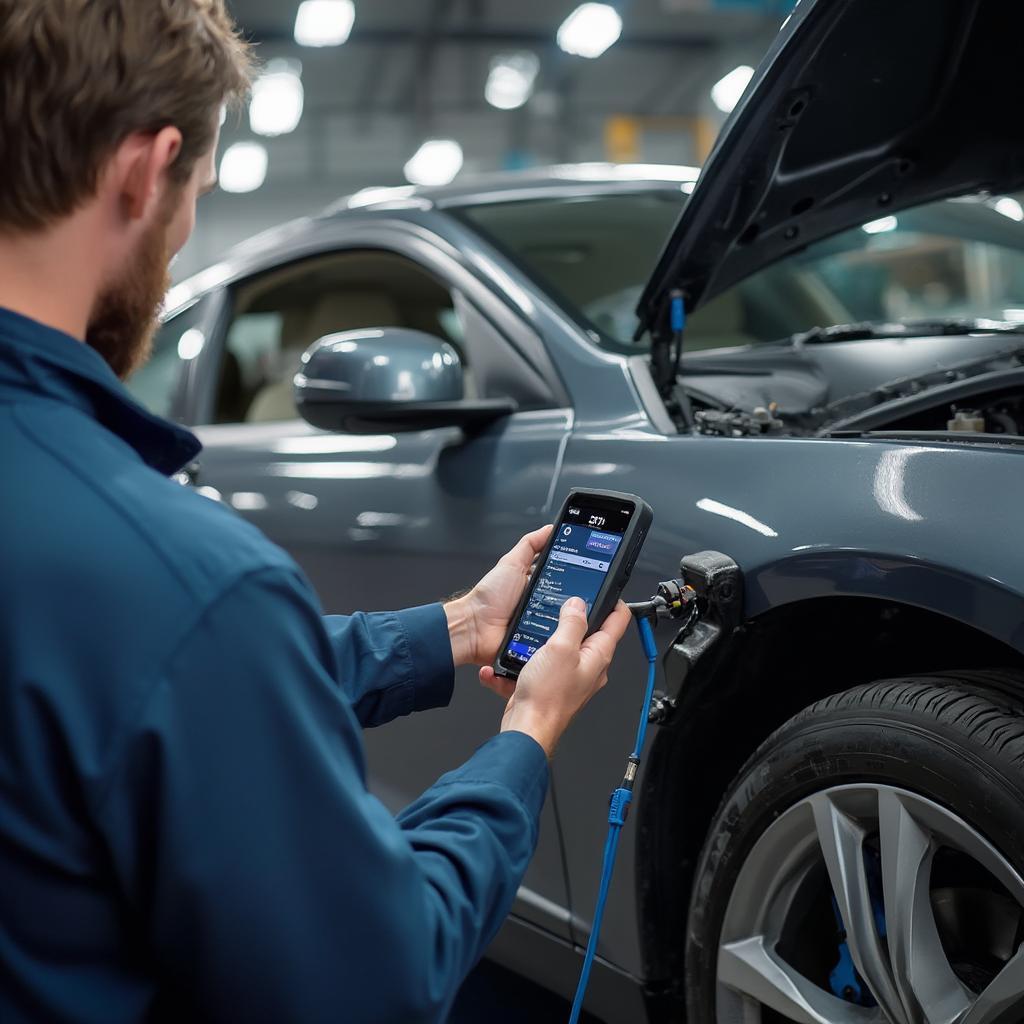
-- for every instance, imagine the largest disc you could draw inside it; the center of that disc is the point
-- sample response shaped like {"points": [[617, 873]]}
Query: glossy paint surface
{"points": [[382, 365]]}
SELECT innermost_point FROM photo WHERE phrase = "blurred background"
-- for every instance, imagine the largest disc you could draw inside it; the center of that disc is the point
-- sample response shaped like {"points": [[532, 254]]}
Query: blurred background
{"points": [[356, 94]]}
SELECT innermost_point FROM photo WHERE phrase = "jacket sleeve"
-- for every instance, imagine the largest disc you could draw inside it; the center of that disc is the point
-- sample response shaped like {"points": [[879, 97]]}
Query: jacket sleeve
{"points": [[393, 663], [271, 884]]}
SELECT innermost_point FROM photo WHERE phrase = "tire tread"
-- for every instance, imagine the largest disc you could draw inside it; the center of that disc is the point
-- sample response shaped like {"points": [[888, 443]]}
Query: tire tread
{"points": [[962, 702]]}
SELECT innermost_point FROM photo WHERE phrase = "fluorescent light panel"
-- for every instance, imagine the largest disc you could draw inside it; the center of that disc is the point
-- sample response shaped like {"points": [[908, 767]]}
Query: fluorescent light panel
{"points": [[277, 99], [243, 168], [324, 22], [511, 79], [590, 30], [726, 92], [436, 162]]}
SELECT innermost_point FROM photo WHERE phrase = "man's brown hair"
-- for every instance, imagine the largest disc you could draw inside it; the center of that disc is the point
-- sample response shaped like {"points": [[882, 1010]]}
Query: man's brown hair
{"points": [[77, 77]]}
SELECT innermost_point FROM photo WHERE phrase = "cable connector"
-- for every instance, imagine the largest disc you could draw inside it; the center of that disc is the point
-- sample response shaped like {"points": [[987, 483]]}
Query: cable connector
{"points": [[671, 601], [629, 778], [677, 595], [619, 806]]}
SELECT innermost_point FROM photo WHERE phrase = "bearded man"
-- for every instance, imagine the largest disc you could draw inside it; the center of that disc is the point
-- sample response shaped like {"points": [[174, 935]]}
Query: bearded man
{"points": [[185, 830]]}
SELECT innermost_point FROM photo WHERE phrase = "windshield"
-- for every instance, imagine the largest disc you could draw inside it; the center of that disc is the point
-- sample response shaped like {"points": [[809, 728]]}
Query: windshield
{"points": [[956, 258], [592, 254]]}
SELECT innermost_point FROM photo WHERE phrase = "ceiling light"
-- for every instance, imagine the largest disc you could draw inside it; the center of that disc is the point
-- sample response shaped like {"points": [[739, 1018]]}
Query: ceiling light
{"points": [[277, 99], [511, 79], [324, 22], [436, 162], [726, 92], [876, 227], [243, 168], [1008, 207], [590, 30]]}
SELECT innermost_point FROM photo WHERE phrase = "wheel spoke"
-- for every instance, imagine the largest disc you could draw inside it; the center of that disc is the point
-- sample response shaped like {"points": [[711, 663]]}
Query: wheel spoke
{"points": [[842, 845], [1002, 1002], [750, 968], [901, 959], [931, 992]]}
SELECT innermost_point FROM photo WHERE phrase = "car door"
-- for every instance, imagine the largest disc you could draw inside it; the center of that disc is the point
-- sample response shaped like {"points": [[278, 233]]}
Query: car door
{"points": [[387, 520]]}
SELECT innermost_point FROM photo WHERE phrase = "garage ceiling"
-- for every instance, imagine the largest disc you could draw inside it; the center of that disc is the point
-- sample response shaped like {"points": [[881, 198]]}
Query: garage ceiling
{"points": [[406, 56], [416, 69]]}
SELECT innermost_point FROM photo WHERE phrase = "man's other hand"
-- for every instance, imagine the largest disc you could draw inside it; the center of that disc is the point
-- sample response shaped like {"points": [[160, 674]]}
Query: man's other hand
{"points": [[479, 620], [562, 676]]}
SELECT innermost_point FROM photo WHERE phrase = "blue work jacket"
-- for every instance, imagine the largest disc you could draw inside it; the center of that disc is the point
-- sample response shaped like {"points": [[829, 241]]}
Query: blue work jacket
{"points": [[185, 828]]}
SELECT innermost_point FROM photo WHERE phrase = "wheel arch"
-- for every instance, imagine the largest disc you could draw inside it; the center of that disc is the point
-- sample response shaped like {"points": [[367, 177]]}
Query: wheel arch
{"points": [[990, 605], [815, 624]]}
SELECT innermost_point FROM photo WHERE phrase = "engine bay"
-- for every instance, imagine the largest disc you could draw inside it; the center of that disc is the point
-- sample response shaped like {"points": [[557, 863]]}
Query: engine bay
{"points": [[843, 389]]}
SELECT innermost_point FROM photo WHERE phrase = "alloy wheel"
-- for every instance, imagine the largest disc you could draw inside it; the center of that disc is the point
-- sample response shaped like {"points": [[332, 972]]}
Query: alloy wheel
{"points": [[869, 904]]}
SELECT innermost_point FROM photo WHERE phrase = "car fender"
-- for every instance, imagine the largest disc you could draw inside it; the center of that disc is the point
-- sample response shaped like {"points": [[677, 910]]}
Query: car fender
{"points": [[933, 526], [817, 518], [989, 604]]}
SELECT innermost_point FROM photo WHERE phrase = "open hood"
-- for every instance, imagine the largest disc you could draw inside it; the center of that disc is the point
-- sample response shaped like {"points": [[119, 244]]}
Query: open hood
{"points": [[860, 108]]}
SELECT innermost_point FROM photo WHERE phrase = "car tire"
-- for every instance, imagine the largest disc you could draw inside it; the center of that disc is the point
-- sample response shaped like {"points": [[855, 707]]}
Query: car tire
{"points": [[840, 819]]}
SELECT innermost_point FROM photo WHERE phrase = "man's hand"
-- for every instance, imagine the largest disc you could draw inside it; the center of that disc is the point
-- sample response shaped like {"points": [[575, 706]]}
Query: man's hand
{"points": [[478, 621], [562, 676]]}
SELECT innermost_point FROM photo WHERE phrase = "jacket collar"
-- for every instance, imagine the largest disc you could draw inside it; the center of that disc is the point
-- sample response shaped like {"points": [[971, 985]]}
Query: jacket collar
{"points": [[42, 360]]}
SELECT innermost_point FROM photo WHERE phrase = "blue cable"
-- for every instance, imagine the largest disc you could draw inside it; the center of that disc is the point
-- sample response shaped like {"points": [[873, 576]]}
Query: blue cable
{"points": [[677, 313], [620, 800]]}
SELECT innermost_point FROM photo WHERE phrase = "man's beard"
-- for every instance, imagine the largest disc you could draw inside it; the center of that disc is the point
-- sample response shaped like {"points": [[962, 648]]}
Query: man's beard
{"points": [[124, 318]]}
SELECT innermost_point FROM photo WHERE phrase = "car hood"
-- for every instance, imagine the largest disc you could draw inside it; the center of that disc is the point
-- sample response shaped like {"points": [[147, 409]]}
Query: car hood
{"points": [[859, 109]]}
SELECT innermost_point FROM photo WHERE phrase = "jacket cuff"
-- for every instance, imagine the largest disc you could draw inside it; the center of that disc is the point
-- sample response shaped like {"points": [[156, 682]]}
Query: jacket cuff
{"points": [[515, 761], [430, 654]]}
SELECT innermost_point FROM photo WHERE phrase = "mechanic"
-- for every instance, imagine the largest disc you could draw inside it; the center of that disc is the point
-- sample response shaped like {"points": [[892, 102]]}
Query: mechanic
{"points": [[185, 829]]}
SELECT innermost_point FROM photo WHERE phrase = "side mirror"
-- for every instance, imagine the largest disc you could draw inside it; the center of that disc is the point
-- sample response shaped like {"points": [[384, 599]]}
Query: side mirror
{"points": [[388, 378]]}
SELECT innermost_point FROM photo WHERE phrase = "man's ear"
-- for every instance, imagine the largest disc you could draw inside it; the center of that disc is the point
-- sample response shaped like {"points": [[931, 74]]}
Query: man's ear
{"points": [[144, 159]]}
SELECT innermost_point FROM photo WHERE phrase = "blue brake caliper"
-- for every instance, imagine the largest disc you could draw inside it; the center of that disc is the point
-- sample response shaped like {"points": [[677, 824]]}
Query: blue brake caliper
{"points": [[843, 978]]}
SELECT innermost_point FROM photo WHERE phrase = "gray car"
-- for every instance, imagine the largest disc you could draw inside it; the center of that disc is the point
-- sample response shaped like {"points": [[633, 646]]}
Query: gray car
{"points": [[830, 826]]}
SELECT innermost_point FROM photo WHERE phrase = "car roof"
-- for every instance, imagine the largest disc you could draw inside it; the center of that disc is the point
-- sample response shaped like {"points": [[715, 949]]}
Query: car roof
{"points": [[508, 186], [560, 180]]}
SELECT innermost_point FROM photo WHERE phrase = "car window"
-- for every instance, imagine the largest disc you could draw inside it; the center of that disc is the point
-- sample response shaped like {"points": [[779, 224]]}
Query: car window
{"points": [[158, 382], [953, 258], [957, 258], [278, 315], [960, 260], [592, 254]]}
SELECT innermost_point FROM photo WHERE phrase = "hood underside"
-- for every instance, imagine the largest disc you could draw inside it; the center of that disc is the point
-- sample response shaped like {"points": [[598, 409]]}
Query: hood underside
{"points": [[860, 108]]}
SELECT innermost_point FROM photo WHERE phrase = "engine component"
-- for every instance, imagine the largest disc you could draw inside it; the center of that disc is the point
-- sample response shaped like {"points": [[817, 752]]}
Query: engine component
{"points": [[1001, 420], [738, 424], [967, 419]]}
